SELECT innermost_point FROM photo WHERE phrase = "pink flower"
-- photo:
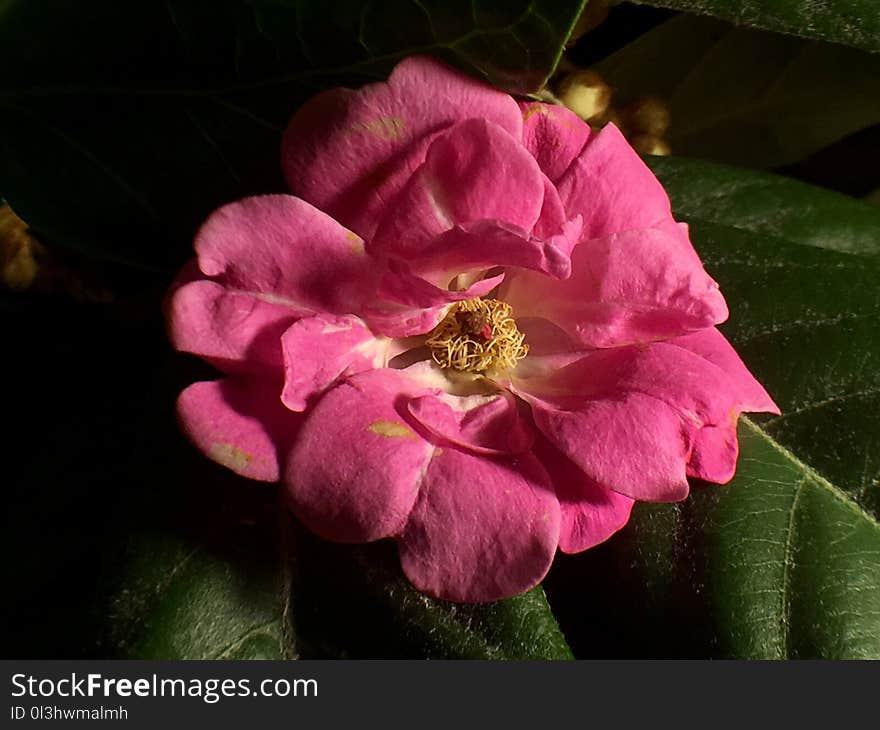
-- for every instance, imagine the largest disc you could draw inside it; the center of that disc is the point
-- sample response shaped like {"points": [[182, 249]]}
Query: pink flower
{"points": [[476, 330]]}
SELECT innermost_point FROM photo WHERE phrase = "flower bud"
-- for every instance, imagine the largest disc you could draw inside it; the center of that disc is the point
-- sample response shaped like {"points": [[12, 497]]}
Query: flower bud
{"points": [[648, 144], [585, 93], [649, 115], [18, 252]]}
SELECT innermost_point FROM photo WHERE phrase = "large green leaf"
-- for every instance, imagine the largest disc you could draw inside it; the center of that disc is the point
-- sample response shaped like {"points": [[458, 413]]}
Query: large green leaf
{"points": [[853, 22], [314, 600], [748, 97], [785, 560], [769, 205], [122, 125]]}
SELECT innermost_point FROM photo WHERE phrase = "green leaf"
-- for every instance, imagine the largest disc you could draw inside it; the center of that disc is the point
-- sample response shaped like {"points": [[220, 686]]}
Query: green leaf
{"points": [[219, 593], [355, 603], [852, 22], [794, 213], [260, 598], [785, 560], [180, 601], [746, 97], [122, 126]]}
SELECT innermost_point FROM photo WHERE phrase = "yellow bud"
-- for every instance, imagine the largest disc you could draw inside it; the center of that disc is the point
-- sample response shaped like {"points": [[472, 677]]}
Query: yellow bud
{"points": [[585, 93], [19, 252], [649, 115], [648, 144]]}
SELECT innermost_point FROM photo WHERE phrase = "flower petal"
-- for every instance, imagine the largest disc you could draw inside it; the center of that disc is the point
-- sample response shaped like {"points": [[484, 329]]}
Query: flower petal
{"points": [[628, 288], [746, 393], [716, 447], [610, 185], [320, 349], [399, 320], [233, 330], [635, 444], [648, 407], [714, 455], [409, 305], [284, 251], [488, 425], [475, 171], [402, 287], [238, 422], [699, 390], [482, 529], [554, 135], [358, 464], [590, 513], [554, 222], [351, 152], [483, 245]]}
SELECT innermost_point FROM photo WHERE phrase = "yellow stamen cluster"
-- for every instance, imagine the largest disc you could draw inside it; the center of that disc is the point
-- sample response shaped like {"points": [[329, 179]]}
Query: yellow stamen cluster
{"points": [[476, 336]]}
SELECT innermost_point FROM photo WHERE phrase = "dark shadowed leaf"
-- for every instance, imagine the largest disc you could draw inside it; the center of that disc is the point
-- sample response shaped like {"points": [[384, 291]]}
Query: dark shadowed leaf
{"points": [[374, 612], [853, 22], [300, 597], [748, 97], [122, 125], [769, 206]]}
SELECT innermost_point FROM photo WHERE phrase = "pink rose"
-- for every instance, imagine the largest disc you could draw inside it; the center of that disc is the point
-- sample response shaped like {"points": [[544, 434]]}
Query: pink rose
{"points": [[477, 330]]}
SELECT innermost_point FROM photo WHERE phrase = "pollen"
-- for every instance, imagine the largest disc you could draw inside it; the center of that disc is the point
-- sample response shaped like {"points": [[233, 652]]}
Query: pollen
{"points": [[477, 336]]}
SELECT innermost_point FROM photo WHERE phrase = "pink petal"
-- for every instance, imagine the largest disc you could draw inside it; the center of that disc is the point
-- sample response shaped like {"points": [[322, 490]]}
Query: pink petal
{"points": [[632, 287], [358, 464], [748, 394], [408, 305], [715, 446], [475, 171], [482, 529], [351, 152], [612, 188], [545, 338], [238, 422], [398, 320], [635, 444], [487, 425], [282, 250], [554, 135], [554, 223], [699, 390], [401, 287], [590, 513], [483, 245], [233, 330], [715, 453], [646, 408], [319, 350]]}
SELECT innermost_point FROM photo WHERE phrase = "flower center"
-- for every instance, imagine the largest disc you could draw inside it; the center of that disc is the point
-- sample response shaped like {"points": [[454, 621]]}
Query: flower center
{"points": [[476, 336]]}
